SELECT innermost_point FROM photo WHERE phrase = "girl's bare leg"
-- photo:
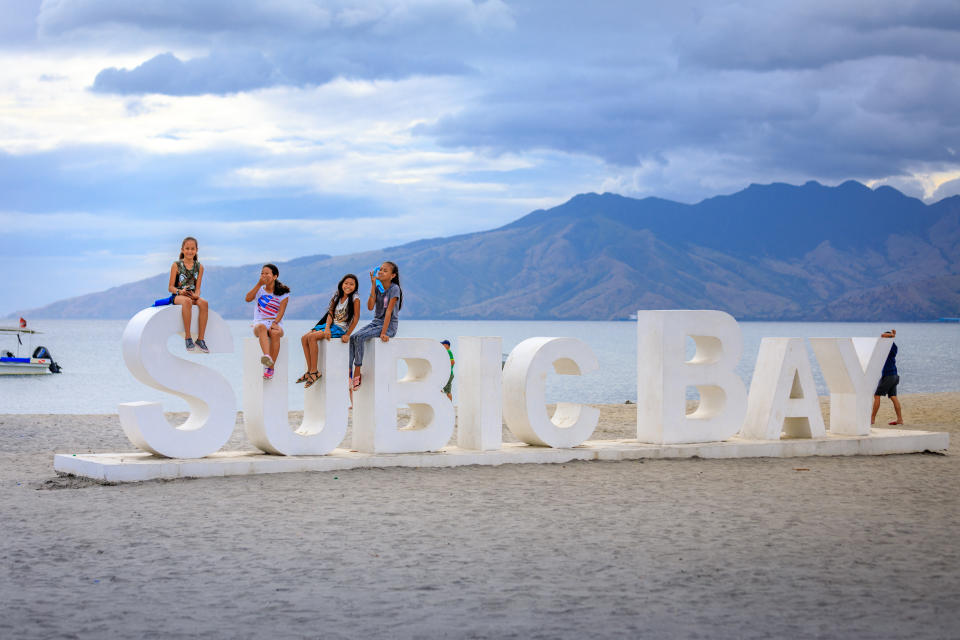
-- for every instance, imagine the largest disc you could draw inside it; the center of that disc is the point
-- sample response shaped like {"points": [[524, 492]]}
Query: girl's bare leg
{"points": [[186, 306], [202, 317], [305, 343], [314, 352], [261, 332], [275, 334]]}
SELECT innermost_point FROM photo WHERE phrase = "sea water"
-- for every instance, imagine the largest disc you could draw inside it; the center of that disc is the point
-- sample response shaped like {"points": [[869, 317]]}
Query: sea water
{"points": [[95, 378]]}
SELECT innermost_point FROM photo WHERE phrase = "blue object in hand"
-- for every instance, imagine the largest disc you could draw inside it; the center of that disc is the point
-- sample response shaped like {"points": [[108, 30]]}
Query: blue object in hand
{"points": [[380, 288]]}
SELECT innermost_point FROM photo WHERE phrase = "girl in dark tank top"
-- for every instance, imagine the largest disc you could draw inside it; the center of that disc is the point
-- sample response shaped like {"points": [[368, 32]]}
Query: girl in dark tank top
{"points": [[186, 276]]}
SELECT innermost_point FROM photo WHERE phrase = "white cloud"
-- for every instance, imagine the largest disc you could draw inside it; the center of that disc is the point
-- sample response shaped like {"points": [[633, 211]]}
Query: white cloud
{"points": [[47, 115], [927, 183]]}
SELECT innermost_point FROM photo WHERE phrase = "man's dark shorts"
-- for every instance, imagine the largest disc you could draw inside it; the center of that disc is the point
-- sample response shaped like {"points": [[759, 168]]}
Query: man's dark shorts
{"points": [[888, 386]]}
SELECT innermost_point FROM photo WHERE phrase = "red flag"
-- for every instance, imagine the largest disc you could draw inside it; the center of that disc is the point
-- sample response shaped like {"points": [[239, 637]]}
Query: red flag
{"points": [[23, 323]]}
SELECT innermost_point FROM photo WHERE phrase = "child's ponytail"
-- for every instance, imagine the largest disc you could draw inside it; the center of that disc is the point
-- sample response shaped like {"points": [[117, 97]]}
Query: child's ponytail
{"points": [[396, 280], [279, 288]]}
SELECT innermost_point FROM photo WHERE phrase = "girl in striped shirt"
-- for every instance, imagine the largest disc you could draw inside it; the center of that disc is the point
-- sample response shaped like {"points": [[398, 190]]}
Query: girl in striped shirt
{"points": [[272, 297]]}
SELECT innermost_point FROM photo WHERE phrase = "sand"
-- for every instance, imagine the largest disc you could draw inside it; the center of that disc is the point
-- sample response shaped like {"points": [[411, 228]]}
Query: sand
{"points": [[861, 547]]}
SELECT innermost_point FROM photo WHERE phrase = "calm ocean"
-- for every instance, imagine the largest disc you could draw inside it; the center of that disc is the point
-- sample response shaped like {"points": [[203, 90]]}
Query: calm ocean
{"points": [[95, 379]]}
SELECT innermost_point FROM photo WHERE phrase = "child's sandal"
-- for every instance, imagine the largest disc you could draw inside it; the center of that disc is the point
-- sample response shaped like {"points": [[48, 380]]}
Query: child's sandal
{"points": [[356, 382], [303, 378], [312, 376]]}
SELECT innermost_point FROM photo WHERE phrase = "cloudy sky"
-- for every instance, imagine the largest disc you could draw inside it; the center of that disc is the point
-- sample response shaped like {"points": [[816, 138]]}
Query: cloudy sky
{"points": [[272, 129]]}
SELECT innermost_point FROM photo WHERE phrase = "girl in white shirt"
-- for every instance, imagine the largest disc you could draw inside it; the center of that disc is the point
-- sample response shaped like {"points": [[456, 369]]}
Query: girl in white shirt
{"points": [[272, 297]]}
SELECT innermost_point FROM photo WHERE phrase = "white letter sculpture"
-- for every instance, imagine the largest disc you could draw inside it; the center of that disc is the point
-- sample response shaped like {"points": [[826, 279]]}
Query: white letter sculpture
{"points": [[375, 403], [324, 404], [480, 415], [208, 394], [852, 368], [663, 375], [524, 392], [783, 396]]}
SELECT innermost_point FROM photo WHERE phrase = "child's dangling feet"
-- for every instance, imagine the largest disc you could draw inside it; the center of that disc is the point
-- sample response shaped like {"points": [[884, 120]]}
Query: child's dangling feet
{"points": [[268, 374]]}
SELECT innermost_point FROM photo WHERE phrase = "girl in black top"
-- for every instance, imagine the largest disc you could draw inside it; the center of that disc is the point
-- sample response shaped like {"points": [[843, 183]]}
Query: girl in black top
{"points": [[186, 274]]}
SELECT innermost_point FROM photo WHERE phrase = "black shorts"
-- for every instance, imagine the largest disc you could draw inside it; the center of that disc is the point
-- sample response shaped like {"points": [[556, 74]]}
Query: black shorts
{"points": [[887, 386]]}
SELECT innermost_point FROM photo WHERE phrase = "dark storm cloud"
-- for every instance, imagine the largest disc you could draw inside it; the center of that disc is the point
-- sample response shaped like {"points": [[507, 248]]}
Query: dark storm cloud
{"points": [[256, 44], [281, 19], [789, 88], [624, 117], [812, 34], [918, 90], [232, 72], [834, 126], [219, 73], [62, 17], [821, 89]]}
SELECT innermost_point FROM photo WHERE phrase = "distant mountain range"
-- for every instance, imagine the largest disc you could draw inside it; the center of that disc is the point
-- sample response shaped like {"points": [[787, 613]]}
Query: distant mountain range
{"points": [[769, 252]]}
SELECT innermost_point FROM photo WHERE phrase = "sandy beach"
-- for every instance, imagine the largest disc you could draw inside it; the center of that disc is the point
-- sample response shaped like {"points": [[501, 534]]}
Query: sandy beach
{"points": [[859, 547]]}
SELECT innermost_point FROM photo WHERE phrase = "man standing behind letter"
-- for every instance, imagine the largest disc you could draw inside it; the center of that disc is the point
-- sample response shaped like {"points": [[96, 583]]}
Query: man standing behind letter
{"points": [[888, 381]]}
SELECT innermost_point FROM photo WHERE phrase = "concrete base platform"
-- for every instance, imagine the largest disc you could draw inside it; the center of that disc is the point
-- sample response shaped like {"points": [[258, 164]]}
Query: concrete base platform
{"points": [[136, 467]]}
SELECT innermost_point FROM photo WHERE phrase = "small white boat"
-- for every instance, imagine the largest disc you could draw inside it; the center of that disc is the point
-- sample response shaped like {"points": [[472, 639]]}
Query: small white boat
{"points": [[39, 363]]}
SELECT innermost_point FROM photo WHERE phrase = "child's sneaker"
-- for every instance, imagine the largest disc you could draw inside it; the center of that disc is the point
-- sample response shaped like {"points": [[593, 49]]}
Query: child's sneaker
{"points": [[267, 361], [268, 374], [202, 346], [188, 342]]}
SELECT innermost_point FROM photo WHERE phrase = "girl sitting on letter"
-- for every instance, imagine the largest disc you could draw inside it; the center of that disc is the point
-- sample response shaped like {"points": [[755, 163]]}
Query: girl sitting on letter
{"points": [[185, 277], [339, 322], [272, 297], [385, 317]]}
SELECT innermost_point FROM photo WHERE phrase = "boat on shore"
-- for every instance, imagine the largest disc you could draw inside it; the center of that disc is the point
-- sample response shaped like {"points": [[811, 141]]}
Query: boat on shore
{"points": [[40, 362]]}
